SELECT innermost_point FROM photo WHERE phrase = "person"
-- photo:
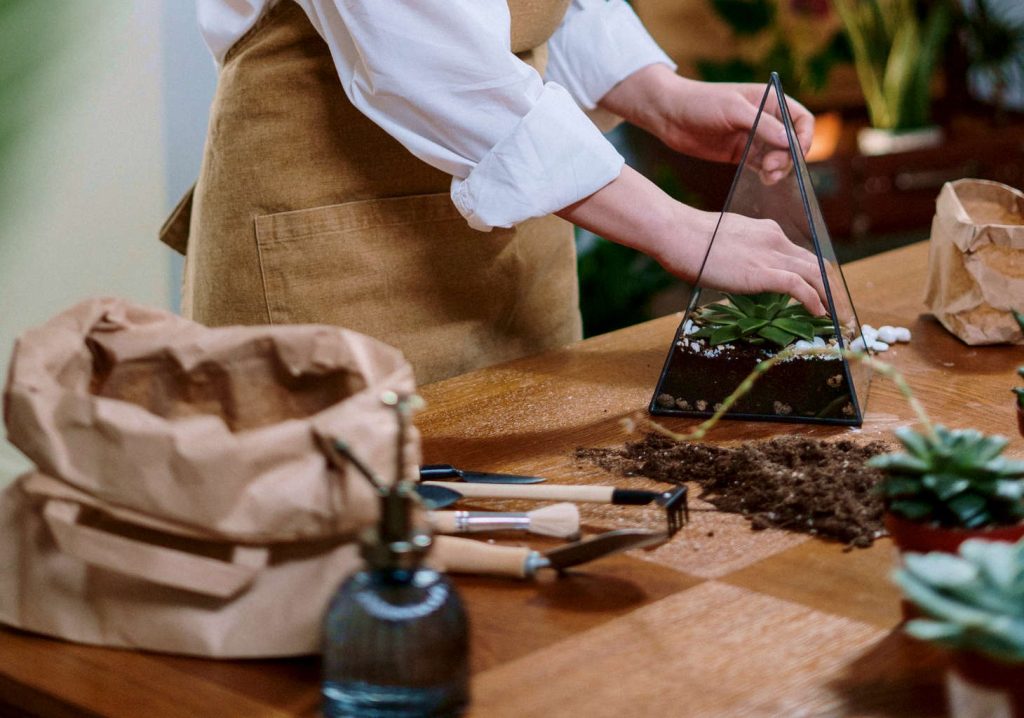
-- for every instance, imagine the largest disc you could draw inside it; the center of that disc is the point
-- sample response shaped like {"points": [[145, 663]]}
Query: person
{"points": [[410, 170]]}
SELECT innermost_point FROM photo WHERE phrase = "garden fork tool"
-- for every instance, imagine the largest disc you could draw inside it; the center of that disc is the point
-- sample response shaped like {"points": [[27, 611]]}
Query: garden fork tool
{"points": [[674, 501]]}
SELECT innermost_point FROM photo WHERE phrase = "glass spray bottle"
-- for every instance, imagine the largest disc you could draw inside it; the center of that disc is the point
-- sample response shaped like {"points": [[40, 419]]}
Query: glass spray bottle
{"points": [[396, 637]]}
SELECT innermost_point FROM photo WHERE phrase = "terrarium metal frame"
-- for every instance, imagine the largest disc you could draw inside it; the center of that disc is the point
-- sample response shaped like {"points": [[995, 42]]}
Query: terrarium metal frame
{"points": [[811, 211]]}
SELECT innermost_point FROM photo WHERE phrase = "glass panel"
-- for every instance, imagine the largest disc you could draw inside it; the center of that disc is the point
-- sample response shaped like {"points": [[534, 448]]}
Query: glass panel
{"points": [[722, 337]]}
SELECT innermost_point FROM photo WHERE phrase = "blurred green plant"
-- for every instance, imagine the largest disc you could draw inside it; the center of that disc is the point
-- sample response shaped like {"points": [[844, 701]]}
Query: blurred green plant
{"points": [[759, 20], [994, 44], [31, 32], [974, 601], [617, 283], [895, 53]]}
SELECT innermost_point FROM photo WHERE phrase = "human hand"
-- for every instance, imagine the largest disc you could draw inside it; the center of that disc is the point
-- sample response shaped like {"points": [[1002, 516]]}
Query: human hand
{"points": [[748, 256], [710, 120]]}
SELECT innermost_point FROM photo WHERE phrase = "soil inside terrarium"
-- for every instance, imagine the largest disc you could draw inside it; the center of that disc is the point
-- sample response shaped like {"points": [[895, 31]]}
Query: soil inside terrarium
{"points": [[794, 483], [699, 377]]}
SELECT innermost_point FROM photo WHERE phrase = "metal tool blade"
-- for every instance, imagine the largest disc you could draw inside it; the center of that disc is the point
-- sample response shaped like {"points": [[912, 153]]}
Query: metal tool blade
{"points": [[485, 477], [447, 472], [437, 497], [608, 543]]}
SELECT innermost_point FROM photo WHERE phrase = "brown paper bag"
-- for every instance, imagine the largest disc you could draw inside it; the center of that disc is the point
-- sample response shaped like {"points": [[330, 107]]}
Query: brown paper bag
{"points": [[182, 504], [976, 261]]}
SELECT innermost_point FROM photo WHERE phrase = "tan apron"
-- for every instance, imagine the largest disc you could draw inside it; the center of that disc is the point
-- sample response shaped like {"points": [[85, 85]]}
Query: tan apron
{"points": [[305, 211]]}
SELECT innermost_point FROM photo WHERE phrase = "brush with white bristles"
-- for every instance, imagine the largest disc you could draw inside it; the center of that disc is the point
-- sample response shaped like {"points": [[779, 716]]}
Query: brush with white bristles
{"points": [[558, 520]]}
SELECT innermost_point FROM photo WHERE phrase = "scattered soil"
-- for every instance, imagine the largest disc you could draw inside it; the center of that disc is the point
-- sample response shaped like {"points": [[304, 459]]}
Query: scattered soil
{"points": [[792, 483]]}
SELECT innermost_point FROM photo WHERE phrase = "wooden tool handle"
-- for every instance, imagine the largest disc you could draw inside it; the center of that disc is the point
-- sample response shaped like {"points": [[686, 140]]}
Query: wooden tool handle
{"points": [[550, 492], [443, 522], [459, 555]]}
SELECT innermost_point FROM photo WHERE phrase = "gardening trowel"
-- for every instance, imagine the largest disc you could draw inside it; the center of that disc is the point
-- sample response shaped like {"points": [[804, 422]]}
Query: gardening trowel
{"points": [[459, 555]]}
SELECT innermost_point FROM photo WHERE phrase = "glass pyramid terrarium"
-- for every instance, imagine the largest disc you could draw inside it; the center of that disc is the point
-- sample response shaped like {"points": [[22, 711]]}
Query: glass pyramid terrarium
{"points": [[723, 336]]}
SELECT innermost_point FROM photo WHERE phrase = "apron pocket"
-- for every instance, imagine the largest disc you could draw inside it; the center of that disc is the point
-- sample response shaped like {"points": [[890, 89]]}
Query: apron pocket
{"points": [[408, 271]]}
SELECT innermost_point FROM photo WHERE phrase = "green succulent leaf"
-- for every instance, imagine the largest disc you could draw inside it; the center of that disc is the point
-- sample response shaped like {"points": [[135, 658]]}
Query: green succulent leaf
{"points": [[942, 569], [900, 486], [911, 509], [914, 442], [804, 330], [750, 324], [974, 601], [743, 303], [776, 335], [764, 316], [925, 630], [945, 486], [895, 464], [724, 334], [971, 510]]}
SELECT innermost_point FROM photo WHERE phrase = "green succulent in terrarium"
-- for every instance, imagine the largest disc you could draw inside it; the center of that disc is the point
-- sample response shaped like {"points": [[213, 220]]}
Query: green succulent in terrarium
{"points": [[953, 478], [974, 601], [756, 318]]}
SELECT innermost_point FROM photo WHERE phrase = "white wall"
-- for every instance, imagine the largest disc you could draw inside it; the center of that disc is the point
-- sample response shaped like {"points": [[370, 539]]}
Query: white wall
{"points": [[116, 131]]}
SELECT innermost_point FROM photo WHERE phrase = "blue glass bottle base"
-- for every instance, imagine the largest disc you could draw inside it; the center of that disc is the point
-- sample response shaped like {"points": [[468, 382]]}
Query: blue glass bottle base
{"points": [[356, 699]]}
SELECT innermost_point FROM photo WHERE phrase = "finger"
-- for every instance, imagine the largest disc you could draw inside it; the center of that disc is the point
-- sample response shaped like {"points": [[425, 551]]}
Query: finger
{"points": [[771, 132], [776, 160], [797, 287], [808, 269], [803, 123]]}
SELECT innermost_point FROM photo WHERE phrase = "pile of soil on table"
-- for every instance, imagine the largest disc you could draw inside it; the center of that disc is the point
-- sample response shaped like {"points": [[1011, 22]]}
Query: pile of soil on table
{"points": [[793, 483]]}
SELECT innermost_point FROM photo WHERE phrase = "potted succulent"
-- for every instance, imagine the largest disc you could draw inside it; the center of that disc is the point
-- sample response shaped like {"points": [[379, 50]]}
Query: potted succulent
{"points": [[974, 603], [950, 485], [895, 54], [722, 342]]}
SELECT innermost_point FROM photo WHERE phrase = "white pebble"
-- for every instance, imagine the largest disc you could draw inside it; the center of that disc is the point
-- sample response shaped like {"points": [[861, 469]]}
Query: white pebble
{"points": [[880, 346], [869, 333], [819, 341], [857, 344], [887, 334], [688, 327], [802, 344], [902, 334]]}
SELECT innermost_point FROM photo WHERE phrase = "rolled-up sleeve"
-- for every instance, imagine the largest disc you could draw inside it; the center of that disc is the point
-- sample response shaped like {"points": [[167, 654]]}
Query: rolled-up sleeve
{"points": [[599, 44], [440, 77]]}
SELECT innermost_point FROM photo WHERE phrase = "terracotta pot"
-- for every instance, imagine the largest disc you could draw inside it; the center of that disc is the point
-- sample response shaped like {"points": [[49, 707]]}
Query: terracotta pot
{"points": [[981, 686], [922, 538]]}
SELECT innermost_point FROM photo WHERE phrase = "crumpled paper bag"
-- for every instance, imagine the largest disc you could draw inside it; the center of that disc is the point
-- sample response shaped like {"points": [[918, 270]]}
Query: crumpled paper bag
{"points": [[182, 502], [976, 261], [211, 428]]}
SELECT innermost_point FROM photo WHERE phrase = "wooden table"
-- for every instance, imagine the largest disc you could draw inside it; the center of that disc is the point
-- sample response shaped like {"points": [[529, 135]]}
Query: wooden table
{"points": [[721, 621]]}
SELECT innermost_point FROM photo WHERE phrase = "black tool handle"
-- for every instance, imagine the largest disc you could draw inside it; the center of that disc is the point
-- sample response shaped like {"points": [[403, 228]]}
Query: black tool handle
{"points": [[438, 472], [633, 497]]}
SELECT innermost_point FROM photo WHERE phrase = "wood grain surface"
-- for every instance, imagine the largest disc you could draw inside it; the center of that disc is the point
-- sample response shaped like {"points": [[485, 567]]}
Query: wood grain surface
{"points": [[721, 621]]}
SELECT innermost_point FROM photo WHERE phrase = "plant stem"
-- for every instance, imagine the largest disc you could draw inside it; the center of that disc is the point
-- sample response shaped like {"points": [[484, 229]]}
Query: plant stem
{"points": [[886, 370]]}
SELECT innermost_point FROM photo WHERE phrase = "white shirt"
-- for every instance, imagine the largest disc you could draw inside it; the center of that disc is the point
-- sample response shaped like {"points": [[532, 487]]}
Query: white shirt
{"points": [[439, 76]]}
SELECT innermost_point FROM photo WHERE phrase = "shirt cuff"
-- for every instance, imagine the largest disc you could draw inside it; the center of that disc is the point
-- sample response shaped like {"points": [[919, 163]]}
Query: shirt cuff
{"points": [[598, 47], [554, 157]]}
